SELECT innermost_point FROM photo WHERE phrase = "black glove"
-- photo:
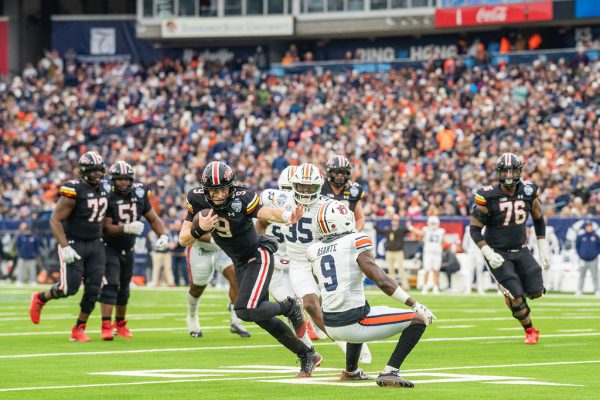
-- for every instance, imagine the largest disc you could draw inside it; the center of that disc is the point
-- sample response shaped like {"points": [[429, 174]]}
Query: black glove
{"points": [[268, 244]]}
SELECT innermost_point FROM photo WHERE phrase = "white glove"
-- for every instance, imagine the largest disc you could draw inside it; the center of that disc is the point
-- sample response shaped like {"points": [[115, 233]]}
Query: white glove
{"points": [[162, 243], [494, 259], [68, 254], [544, 251], [134, 228], [424, 312]]}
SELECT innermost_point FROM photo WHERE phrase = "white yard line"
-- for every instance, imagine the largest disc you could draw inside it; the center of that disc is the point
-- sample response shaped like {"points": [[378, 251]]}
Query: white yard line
{"points": [[214, 348]]}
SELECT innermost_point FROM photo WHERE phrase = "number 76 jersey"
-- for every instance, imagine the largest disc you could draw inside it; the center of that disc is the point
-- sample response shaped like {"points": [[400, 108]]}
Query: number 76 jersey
{"points": [[507, 215], [334, 263]]}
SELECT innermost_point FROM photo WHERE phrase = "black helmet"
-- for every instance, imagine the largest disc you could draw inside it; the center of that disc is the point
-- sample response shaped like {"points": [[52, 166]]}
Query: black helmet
{"points": [[509, 161], [335, 166], [121, 170], [218, 175], [88, 163]]}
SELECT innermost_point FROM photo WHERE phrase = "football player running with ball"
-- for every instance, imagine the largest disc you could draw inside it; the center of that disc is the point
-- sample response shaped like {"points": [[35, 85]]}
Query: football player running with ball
{"points": [[229, 221], [503, 209], [340, 262]]}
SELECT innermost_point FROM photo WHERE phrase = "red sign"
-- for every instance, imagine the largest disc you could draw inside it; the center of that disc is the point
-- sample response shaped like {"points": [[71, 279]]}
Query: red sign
{"points": [[493, 14], [3, 46]]}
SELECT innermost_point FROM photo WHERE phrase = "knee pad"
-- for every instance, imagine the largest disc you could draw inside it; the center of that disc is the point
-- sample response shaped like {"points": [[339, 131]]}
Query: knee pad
{"points": [[520, 311], [108, 294], [123, 296], [245, 314], [90, 296]]}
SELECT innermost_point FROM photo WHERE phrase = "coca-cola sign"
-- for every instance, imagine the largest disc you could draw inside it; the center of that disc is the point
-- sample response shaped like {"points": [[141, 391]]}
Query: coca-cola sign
{"points": [[491, 15], [488, 15]]}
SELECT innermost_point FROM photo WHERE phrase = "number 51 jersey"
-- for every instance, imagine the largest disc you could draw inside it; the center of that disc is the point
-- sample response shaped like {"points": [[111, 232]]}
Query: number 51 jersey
{"points": [[334, 263]]}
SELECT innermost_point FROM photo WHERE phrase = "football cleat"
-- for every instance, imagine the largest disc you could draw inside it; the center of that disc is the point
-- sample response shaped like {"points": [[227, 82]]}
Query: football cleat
{"points": [[311, 331], [107, 330], [393, 379], [358, 375], [196, 334], [308, 363], [296, 316], [239, 329], [78, 334], [532, 336], [35, 308], [122, 330]]}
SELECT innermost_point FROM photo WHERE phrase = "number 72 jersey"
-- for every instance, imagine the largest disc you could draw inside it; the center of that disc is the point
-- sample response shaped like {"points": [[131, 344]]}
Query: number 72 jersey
{"points": [[507, 215]]}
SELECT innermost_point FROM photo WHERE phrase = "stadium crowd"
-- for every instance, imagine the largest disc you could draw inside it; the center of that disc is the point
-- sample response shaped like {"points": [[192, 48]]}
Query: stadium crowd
{"points": [[420, 140]]}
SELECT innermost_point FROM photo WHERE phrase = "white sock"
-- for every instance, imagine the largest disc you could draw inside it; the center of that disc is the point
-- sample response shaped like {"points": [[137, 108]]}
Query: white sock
{"points": [[389, 369], [192, 305], [234, 318]]}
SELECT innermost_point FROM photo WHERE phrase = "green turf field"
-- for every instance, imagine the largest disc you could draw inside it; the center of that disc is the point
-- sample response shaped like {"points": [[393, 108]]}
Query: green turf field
{"points": [[474, 350]]}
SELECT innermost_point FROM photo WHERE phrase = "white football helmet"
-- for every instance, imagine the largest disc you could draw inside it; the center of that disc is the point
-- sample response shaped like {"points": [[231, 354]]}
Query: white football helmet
{"points": [[433, 222], [284, 178], [306, 184], [335, 218]]}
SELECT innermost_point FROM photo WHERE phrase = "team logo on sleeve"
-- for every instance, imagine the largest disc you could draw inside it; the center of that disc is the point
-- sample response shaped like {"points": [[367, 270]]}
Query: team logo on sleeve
{"points": [[139, 192], [353, 191], [528, 190], [236, 206]]}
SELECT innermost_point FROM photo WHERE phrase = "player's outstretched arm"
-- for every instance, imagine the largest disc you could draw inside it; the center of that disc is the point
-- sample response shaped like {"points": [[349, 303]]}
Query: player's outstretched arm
{"points": [[155, 222], [359, 217], [277, 215], [369, 267], [61, 212], [185, 234], [261, 226], [539, 224]]}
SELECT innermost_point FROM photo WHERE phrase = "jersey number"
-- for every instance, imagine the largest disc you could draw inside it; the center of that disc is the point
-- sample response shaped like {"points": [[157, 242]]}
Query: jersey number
{"points": [[519, 210], [223, 228], [299, 232], [98, 206], [127, 213], [328, 271], [276, 231]]}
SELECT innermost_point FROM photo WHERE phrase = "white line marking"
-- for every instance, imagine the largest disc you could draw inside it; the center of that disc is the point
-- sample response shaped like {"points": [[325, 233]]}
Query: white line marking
{"points": [[522, 382], [456, 326], [576, 330], [510, 329], [134, 330], [563, 344], [264, 346]]}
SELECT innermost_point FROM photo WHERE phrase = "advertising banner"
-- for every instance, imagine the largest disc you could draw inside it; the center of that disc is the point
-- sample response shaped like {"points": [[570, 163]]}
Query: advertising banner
{"points": [[499, 14], [587, 8], [228, 27], [4, 46]]}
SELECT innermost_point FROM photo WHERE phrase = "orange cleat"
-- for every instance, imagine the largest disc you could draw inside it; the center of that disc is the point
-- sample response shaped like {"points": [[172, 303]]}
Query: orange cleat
{"points": [[107, 330], [122, 330], [532, 336], [78, 334], [35, 309]]}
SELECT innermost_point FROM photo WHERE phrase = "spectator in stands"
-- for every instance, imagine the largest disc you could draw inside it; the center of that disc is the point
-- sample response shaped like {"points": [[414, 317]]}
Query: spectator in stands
{"points": [[587, 246], [28, 250], [178, 254]]}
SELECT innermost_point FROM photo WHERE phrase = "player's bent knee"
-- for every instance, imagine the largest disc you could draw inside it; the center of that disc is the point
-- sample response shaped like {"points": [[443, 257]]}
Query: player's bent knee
{"points": [[520, 310], [90, 296], [108, 295], [123, 296], [245, 314], [418, 319], [536, 295], [196, 290]]}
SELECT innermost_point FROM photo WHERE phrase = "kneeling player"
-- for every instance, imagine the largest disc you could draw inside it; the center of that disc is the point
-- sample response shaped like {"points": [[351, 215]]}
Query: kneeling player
{"points": [[338, 262]]}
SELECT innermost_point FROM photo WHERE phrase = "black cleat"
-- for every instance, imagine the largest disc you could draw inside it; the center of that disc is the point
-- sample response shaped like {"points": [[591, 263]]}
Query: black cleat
{"points": [[393, 379], [196, 334], [358, 375], [238, 329], [308, 363], [296, 316]]}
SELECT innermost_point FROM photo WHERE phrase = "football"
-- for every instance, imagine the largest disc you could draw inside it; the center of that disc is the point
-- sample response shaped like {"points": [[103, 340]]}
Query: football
{"points": [[204, 212]]}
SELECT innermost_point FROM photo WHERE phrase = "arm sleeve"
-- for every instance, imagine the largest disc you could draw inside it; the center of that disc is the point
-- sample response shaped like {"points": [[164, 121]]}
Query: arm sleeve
{"points": [[252, 202]]}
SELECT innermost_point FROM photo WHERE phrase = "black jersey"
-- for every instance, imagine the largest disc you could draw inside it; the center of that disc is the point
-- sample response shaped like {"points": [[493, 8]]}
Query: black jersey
{"points": [[85, 221], [235, 232], [507, 215], [350, 195], [124, 209]]}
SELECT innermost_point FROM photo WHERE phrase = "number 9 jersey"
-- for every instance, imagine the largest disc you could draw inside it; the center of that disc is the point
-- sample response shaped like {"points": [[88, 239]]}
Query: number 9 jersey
{"points": [[334, 263], [507, 215]]}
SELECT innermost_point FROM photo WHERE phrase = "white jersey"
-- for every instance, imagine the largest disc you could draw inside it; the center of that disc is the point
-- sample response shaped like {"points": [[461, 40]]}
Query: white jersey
{"points": [[304, 232], [206, 247], [433, 240], [334, 263], [277, 199]]}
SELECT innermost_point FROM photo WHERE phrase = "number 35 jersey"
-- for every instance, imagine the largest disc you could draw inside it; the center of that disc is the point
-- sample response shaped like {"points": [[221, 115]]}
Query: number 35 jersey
{"points": [[124, 209], [85, 221], [277, 199], [507, 215], [334, 263], [304, 232]]}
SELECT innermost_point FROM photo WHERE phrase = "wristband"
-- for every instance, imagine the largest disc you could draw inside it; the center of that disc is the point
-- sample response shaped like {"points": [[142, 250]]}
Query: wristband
{"points": [[197, 232], [400, 295]]}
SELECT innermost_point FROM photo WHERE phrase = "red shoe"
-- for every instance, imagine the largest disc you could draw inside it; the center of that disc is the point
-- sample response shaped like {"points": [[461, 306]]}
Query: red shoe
{"points": [[531, 336], [311, 331], [121, 328], [35, 309], [107, 330], [78, 334]]}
